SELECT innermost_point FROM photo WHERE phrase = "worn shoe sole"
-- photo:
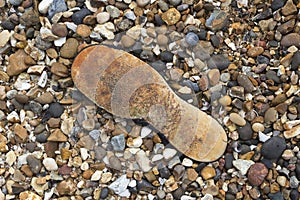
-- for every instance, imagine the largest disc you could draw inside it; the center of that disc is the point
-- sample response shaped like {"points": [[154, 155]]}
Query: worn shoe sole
{"points": [[129, 88]]}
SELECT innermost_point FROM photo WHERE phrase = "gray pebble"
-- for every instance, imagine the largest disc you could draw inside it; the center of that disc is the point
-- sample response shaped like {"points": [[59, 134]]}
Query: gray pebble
{"points": [[15, 2], [245, 132], [192, 38], [104, 193], [245, 82], [118, 142], [78, 16], [100, 153], [174, 2], [94, 134], [56, 7], [273, 148], [113, 11], [35, 164], [35, 107]]}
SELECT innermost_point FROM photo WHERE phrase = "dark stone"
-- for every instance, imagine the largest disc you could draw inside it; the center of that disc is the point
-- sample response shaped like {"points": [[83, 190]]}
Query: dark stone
{"points": [[55, 110], [245, 132], [295, 61], [276, 4], [272, 75], [100, 153], [164, 171], [166, 56], [30, 146], [144, 185], [262, 59], [104, 193], [8, 25], [273, 43], [228, 160], [245, 82], [215, 40], [56, 7], [202, 34], [264, 15], [22, 98], [298, 171], [219, 61], [273, 148], [229, 196], [276, 196], [35, 164], [35, 107], [42, 137], [191, 38], [158, 65], [78, 16], [294, 195], [30, 18], [18, 188]]}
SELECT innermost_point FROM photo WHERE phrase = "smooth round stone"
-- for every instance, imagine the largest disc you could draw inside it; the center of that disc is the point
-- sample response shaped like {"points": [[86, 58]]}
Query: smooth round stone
{"points": [[273, 148], [175, 2], [291, 39], [225, 100], [142, 3], [102, 17], [15, 2], [255, 51], [114, 12], [257, 174], [271, 115], [78, 16], [104, 193], [69, 49], [245, 132], [127, 41], [50, 164], [59, 30], [208, 172], [237, 119], [166, 56], [55, 110], [192, 38], [162, 40], [83, 30], [258, 127]]}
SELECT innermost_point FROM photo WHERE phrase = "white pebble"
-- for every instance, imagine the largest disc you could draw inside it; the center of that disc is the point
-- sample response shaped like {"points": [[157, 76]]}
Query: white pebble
{"points": [[50, 164], [11, 158], [96, 176], [44, 5], [187, 162], [145, 131], [169, 153]]}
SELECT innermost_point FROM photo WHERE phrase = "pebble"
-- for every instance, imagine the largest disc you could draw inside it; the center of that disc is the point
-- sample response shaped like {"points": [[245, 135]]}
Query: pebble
{"points": [[69, 49], [45, 98], [293, 132], [245, 132], [171, 16], [191, 38], [118, 142], [17, 63], [213, 76], [258, 127], [35, 164], [59, 69], [44, 6], [187, 162], [169, 153], [104, 193], [102, 17], [237, 119], [119, 185], [208, 172], [15, 2], [4, 37], [57, 136], [290, 40], [219, 61], [243, 165], [289, 8], [143, 161], [276, 4], [255, 51], [56, 7], [271, 115], [59, 30], [66, 187], [127, 41], [50, 164], [10, 158], [257, 174], [142, 3], [78, 16], [295, 63], [113, 11], [21, 133], [273, 148], [217, 20], [245, 82]]}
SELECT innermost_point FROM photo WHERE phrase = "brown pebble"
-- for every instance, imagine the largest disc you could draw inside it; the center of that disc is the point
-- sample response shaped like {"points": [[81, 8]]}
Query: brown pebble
{"points": [[192, 174], [171, 16], [45, 98], [208, 172], [53, 122], [66, 187], [255, 51], [213, 76], [17, 63], [59, 69], [57, 136], [59, 30], [127, 41], [289, 8], [50, 148], [69, 49], [291, 39], [257, 174], [83, 30], [21, 133]]}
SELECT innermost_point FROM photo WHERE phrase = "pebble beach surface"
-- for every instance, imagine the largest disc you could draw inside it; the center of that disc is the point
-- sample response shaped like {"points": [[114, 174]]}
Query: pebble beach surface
{"points": [[236, 60]]}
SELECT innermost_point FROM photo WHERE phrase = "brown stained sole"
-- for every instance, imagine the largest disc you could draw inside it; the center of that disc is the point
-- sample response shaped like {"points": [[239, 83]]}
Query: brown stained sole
{"points": [[128, 87]]}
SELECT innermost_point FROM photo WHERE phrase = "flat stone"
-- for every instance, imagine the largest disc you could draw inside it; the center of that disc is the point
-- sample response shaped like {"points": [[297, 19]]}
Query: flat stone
{"points": [[35, 164], [217, 20], [143, 161], [273, 148], [4, 37], [119, 185], [293, 132], [289, 8], [102, 17], [237, 119], [57, 136], [50, 164], [208, 172], [169, 153], [21, 132], [45, 98], [257, 174], [59, 69], [17, 63], [245, 82], [69, 49], [290, 40], [10, 158], [83, 30], [66, 187], [243, 165], [271, 115], [171, 16], [255, 51]]}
